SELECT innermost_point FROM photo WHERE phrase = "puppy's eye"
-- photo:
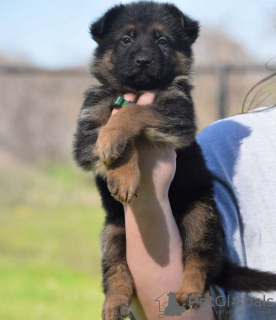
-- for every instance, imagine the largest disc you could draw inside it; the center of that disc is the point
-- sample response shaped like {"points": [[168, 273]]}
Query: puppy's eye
{"points": [[126, 40], [162, 41]]}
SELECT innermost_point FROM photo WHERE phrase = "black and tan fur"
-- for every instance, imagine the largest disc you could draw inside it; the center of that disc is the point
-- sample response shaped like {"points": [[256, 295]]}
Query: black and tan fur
{"points": [[143, 46]]}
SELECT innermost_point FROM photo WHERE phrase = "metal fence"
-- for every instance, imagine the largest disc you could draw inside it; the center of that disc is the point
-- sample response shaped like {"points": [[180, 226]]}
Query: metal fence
{"points": [[39, 107]]}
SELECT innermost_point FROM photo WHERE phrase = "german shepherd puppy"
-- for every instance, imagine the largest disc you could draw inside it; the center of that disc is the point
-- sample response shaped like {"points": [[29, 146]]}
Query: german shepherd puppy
{"points": [[144, 46]]}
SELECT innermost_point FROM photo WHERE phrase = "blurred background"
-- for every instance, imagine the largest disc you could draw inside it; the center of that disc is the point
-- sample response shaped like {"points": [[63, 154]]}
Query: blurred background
{"points": [[50, 213]]}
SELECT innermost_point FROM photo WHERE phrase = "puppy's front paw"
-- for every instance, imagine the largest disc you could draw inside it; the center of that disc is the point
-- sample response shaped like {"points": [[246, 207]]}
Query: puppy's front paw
{"points": [[123, 176], [189, 300], [116, 307], [111, 144], [123, 182]]}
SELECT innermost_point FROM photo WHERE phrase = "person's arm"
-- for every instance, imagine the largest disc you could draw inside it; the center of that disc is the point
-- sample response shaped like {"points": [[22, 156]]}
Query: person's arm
{"points": [[154, 245]]}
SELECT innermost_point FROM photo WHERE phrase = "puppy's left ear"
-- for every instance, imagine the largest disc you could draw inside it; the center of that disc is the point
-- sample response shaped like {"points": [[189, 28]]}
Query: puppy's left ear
{"points": [[99, 28], [191, 28]]}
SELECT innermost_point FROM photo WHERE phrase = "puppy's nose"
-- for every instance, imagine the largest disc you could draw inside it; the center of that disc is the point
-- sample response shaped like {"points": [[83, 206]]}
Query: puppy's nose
{"points": [[142, 60]]}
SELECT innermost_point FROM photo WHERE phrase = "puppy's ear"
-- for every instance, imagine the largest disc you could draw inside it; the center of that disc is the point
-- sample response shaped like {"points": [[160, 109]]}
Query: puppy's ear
{"points": [[99, 28], [191, 28]]}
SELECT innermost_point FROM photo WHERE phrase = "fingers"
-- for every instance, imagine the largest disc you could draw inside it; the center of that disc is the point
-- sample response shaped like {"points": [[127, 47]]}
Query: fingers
{"points": [[128, 96], [115, 110], [147, 98]]}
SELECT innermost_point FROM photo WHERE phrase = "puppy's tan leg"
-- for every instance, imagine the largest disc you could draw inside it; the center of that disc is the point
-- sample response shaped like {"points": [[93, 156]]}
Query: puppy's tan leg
{"points": [[123, 175], [121, 128], [199, 259], [117, 280], [193, 285]]}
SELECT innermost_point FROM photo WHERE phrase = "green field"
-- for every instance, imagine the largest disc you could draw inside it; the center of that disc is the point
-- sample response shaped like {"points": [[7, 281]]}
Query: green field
{"points": [[50, 223]]}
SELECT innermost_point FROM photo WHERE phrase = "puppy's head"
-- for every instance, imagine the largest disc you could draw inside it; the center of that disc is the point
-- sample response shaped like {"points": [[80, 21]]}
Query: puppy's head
{"points": [[143, 45]]}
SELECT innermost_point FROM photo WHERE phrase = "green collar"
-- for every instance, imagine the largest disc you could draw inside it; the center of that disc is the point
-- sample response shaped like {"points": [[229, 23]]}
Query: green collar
{"points": [[119, 102]]}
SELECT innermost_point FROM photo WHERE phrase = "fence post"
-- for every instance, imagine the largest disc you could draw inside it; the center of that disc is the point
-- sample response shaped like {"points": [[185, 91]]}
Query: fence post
{"points": [[222, 99]]}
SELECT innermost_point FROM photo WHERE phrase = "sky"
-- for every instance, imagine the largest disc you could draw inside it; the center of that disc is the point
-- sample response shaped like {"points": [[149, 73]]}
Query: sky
{"points": [[54, 34]]}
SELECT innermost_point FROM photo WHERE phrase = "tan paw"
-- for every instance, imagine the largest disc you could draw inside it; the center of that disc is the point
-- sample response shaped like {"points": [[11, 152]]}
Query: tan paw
{"points": [[189, 300], [115, 307], [123, 175], [123, 182], [111, 144]]}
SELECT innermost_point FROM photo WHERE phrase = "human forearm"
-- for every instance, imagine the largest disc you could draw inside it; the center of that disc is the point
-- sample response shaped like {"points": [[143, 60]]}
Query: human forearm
{"points": [[154, 250]]}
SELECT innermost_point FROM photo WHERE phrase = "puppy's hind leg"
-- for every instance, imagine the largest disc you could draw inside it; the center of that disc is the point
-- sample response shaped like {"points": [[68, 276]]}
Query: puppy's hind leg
{"points": [[202, 259], [117, 280]]}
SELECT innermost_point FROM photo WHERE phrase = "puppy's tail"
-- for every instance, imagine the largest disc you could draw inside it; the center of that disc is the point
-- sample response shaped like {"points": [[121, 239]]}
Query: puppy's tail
{"points": [[234, 277]]}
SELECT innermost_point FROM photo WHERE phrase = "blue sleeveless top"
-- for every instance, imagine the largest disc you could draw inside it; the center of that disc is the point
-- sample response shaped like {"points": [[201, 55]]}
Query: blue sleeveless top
{"points": [[240, 151]]}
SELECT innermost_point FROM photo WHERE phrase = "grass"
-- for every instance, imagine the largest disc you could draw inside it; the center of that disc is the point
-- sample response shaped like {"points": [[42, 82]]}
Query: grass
{"points": [[50, 223]]}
